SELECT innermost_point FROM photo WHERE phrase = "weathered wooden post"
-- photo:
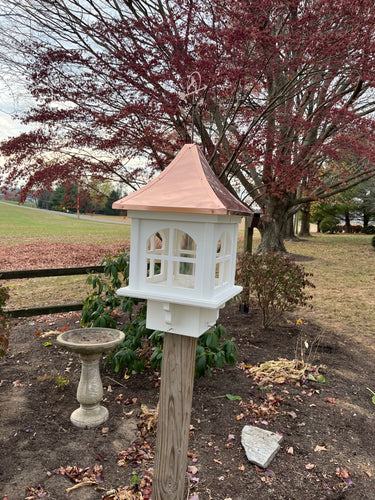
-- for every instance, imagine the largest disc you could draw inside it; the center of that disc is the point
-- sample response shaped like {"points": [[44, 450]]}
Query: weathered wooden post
{"points": [[250, 223], [183, 261]]}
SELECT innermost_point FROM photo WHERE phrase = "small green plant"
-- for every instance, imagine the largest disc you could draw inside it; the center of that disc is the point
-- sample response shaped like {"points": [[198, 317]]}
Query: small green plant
{"points": [[135, 480], [373, 242], [54, 377], [273, 283], [61, 382], [214, 350], [4, 321], [373, 394], [100, 304], [142, 346]]}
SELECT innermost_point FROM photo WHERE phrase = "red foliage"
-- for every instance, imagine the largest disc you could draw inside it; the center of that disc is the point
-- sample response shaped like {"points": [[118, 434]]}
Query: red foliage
{"points": [[288, 92]]}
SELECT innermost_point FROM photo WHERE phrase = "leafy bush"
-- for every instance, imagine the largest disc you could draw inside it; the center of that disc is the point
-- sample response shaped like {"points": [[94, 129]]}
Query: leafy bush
{"points": [[141, 345], [368, 230], [4, 321], [373, 241], [329, 224], [272, 283]]}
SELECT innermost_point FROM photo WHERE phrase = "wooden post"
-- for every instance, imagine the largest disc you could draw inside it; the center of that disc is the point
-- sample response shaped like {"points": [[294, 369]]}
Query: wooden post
{"points": [[176, 393]]}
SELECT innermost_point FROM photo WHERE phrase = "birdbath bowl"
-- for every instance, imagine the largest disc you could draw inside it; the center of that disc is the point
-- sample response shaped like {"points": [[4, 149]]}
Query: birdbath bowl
{"points": [[90, 344]]}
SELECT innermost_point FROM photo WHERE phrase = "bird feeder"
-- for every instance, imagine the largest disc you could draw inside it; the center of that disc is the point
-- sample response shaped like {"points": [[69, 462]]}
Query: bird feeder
{"points": [[183, 245], [183, 260]]}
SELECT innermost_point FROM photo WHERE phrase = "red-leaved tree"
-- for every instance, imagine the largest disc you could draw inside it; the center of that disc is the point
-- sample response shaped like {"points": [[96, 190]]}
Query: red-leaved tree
{"points": [[281, 99]]}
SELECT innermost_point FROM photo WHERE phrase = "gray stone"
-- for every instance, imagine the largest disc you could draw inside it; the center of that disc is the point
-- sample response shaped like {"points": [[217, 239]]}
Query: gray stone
{"points": [[260, 445]]}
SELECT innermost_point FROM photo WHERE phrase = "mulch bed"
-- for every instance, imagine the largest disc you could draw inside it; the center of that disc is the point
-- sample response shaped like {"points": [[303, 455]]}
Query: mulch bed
{"points": [[327, 452]]}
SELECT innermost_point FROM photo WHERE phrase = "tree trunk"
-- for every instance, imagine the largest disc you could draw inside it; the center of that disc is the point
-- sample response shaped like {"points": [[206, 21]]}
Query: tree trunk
{"points": [[272, 227], [347, 227], [305, 221], [366, 219], [289, 229]]}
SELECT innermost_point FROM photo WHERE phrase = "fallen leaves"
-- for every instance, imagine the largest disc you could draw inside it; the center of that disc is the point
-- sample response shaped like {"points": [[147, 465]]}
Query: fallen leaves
{"points": [[34, 255], [141, 490], [34, 493], [88, 476], [310, 466], [120, 398], [320, 448], [136, 454], [268, 407], [149, 420], [281, 371], [344, 474], [192, 469]]}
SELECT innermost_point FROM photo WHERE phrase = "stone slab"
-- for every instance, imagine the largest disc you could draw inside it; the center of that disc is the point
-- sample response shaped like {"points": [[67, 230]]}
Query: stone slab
{"points": [[260, 445]]}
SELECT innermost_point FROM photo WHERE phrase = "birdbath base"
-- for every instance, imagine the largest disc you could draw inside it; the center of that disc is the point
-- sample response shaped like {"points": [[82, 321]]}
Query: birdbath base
{"points": [[86, 418], [90, 343]]}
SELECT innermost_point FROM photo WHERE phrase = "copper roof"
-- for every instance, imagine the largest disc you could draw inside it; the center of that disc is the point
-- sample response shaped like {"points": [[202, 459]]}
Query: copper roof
{"points": [[188, 184]]}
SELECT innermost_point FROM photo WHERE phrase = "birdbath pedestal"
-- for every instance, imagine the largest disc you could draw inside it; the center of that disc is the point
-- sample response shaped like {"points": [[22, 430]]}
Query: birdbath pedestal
{"points": [[90, 344]]}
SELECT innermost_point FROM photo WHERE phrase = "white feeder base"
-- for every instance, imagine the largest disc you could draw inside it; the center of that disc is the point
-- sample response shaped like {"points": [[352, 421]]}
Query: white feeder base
{"points": [[191, 321]]}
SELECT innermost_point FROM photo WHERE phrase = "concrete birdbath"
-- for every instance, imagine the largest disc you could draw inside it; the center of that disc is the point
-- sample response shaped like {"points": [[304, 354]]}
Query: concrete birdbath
{"points": [[90, 343]]}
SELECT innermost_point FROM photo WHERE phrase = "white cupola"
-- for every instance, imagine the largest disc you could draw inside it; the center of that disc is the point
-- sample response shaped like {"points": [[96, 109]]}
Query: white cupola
{"points": [[183, 245]]}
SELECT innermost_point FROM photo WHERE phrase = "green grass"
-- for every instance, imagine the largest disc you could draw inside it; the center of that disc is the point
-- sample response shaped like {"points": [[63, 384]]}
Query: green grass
{"points": [[22, 225], [343, 268]]}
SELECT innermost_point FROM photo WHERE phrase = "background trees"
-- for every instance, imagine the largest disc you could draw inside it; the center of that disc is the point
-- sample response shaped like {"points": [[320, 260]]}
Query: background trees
{"points": [[71, 198], [283, 110], [350, 211]]}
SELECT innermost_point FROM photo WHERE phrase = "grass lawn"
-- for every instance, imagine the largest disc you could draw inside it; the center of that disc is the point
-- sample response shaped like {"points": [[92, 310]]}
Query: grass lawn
{"points": [[24, 225], [343, 267]]}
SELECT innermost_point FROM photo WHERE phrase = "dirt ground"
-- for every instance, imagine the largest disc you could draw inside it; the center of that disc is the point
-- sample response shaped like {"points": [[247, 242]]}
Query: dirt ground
{"points": [[328, 429]]}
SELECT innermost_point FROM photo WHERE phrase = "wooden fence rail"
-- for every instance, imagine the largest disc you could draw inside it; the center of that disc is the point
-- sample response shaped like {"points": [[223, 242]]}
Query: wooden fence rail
{"points": [[46, 273]]}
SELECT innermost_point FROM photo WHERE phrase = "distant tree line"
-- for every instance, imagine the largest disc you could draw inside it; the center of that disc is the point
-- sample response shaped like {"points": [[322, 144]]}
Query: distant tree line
{"points": [[351, 212], [72, 198]]}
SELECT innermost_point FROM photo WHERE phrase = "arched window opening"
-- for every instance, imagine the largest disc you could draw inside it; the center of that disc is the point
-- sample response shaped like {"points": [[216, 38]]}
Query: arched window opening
{"points": [[223, 259], [172, 265], [157, 250]]}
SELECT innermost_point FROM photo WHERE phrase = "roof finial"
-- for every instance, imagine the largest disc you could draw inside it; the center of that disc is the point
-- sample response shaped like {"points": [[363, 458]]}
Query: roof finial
{"points": [[190, 99]]}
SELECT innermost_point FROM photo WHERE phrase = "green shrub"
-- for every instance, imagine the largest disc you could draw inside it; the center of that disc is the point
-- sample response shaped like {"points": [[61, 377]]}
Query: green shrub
{"points": [[142, 346], [368, 230], [373, 241], [329, 224], [273, 283], [4, 321]]}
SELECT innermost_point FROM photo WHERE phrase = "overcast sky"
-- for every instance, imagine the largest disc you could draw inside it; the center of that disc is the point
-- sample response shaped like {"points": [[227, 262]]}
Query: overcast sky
{"points": [[13, 99]]}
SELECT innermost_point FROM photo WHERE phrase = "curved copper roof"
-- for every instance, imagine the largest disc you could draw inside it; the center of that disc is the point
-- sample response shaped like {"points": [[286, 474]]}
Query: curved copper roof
{"points": [[188, 184]]}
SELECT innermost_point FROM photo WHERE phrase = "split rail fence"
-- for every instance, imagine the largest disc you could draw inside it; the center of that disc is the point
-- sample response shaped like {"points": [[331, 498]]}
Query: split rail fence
{"points": [[47, 273]]}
